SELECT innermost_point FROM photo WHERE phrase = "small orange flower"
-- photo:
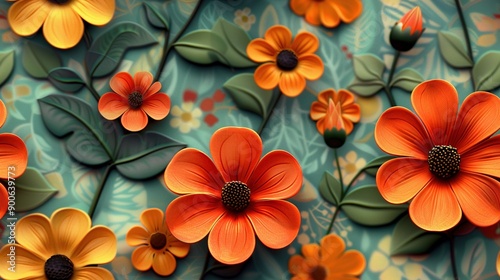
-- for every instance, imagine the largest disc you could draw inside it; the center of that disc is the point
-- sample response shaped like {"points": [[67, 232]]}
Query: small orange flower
{"points": [[285, 62], [234, 197], [334, 134], [350, 111], [157, 246], [447, 158], [406, 32], [135, 98], [13, 158], [328, 261], [329, 13]]}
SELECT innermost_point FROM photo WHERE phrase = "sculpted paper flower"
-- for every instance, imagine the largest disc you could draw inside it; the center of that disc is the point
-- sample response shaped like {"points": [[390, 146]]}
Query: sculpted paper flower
{"points": [[235, 196], [135, 98], [157, 247], [61, 19], [329, 260], [447, 158], [328, 13], [406, 32], [285, 62], [61, 247]]}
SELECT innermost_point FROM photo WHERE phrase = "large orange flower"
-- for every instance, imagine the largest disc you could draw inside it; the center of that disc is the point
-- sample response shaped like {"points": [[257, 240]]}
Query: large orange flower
{"points": [[134, 98], [447, 157], [13, 159], [328, 261], [234, 197], [61, 19], [350, 111], [329, 13], [286, 62]]}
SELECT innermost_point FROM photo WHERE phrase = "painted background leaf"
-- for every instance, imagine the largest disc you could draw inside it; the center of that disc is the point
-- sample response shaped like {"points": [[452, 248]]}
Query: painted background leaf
{"points": [[407, 79], [156, 15], [66, 79], [453, 50], [248, 95], [6, 65], [142, 156], [368, 67], [32, 190], [330, 189], [486, 72], [38, 60], [407, 238], [105, 54], [474, 259]]}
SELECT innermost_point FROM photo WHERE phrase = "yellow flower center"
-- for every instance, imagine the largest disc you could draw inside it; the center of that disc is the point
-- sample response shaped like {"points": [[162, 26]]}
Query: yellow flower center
{"points": [[185, 117], [58, 267], [319, 273], [350, 167], [444, 161], [244, 18], [235, 196], [135, 100], [287, 60], [158, 240]]}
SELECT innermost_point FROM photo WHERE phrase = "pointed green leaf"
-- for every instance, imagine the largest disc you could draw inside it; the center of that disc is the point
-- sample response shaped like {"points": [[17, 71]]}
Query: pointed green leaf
{"points": [[142, 156], [330, 189], [38, 60], [156, 15], [407, 238], [373, 166], [6, 65], [201, 46], [486, 72], [66, 79], [453, 50], [366, 206], [105, 54], [368, 67], [407, 79], [366, 88], [32, 190], [248, 95], [237, 41]]}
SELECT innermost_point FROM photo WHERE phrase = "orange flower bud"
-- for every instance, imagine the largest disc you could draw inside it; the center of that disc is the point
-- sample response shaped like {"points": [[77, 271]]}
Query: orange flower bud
{"points": [[405, 33], [335, 134]]}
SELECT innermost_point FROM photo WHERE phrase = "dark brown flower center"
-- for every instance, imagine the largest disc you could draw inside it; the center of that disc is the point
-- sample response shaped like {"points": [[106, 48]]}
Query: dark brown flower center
{"points": [[236, 196], [158, 240], [319, 273], [135, 100], [58, 267], [59, 1], [444, 161], [287, 60]]}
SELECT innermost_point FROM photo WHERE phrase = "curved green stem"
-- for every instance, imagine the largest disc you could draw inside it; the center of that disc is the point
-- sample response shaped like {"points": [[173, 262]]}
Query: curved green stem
{"points": [[392, 101], [276, 97], [337, 210], [99, 189], [452, 257], [335, 214], [93, 91], [467, 37]]}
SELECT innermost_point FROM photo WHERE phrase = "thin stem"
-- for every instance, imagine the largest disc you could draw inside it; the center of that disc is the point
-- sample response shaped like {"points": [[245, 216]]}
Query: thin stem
{"points": [[354, 179], [339, 170], [335, 214], [467, 37], [337, 210], [277, 95], [99, 189], [392, 101], [452, 256], [205, 265], [93, 91]]}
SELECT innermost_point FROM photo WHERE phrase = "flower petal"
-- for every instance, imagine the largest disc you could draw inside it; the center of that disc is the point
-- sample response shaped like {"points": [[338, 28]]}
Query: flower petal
{"points": [[435, 208], [436, 103], [483, 158], [351, 263], [310, 66], [232, 240], [236, 152], [3, 113], [27, 264], [297, 264], [479, 198], [142, 258], [267, 76], [112, 105], [292, 84], [154, 88], [92, 273], [276, 222], [96, 12], [13, 153], [399, 132], [157, 106], [136, 236], [191, 217], [312, 14], [312, 253], [328, 16], [63, 27], [300, 7], [277, 176], [259, 50], [305, 43], [176, 247], [97, 247], [152, 219], [123, 84], [279, 37], [477, 120], [142, 81], [348, 10], [69, 226], [34, 232], [26, 17], [134, 120], [164, 263], [318, 111], [400, 179], [191, 171], [4, 201]]}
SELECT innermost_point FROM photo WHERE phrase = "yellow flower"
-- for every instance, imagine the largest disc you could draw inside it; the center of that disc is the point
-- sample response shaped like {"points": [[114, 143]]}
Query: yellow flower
{"points": [[186, 117], [244, 18], [61, 247], [61, 19], [349, 167], [156, 245]]}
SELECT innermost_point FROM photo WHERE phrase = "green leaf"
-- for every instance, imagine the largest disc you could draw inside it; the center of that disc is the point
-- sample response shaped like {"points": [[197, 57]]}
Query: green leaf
{"points": [[201, 46], [407, 79], [66, 79], [366, 88], [65, 115], [366, 206], [38, 60], [248, 95], [486, 72], [453, 50], [237, 41], [6, 65], [32, 190], [407, 238], [372, 167], [368, 67], [105, 54], [142, 156], [155, 16], [330, 189]]}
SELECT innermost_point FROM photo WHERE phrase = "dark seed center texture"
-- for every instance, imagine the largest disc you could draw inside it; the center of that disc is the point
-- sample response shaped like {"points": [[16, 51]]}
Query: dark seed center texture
{"points": [[135, 100], [444, 161], [319, 273], [287, 60], [58, 267], [158, 240], [236, 196]]}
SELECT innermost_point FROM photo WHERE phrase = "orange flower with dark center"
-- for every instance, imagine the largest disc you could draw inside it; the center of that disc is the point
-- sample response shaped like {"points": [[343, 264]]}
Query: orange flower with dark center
{"points": [[328, 261], [234, 197], [328, 13], [447, 158], [285, 62], [349, 110], [135, 98]]}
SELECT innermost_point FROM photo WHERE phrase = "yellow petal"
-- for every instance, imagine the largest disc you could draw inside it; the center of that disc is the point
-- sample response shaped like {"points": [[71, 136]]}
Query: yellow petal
{"points": [[92, 273], [137, 236], [3, 113], [152, 219], [176, 247], [27, 264], [34, 232], [26, 17], [378, 262], [164, 264], [142, 258], [97, 247], [96, 12], [69, 226], [63, 28]]}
